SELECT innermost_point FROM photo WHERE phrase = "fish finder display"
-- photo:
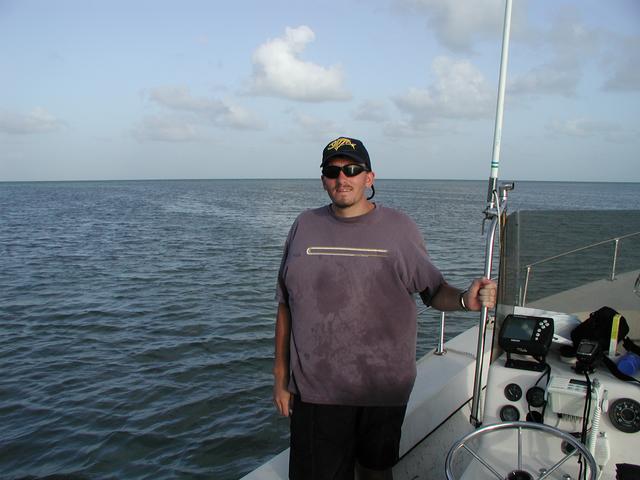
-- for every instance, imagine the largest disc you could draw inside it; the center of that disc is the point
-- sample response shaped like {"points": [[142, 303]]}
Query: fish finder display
{"points": [[521, 329], [526, 335]]}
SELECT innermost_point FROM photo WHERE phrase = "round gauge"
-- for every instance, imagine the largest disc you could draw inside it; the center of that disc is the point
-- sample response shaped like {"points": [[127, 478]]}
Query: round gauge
{"points": [[624, 413], [513, 392], [535, 396], [534, 416], [509, 413]]}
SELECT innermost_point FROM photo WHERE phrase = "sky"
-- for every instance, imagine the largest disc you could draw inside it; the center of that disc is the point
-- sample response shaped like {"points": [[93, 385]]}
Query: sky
{"points": [[122, 89]]}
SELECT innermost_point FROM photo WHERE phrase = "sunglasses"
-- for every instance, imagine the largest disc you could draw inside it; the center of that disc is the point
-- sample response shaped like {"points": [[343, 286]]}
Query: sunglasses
{"points": [[350, 170]]}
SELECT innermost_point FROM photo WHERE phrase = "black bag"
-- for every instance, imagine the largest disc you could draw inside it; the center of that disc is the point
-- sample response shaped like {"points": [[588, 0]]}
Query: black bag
{"points": [[598, 327]]}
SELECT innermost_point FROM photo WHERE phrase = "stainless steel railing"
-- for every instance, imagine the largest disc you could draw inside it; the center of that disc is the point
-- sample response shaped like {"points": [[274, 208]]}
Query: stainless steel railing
{"points": [[615, 240], [440, 350]]}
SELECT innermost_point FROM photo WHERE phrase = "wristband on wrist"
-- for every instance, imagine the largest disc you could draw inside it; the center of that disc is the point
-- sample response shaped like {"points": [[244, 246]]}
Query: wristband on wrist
{"points": [[461, 301]]}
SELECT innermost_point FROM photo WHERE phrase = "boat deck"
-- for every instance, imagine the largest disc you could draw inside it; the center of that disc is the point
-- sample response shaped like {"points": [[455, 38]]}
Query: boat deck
{"points": [[583, 300], [439, 408]]}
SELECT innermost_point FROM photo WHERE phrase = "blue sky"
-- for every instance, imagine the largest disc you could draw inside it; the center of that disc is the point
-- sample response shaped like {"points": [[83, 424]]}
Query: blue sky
{"points": [[255, 89]]}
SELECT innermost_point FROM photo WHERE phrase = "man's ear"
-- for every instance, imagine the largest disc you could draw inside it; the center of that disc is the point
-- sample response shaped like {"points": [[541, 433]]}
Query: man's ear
{"points": [[370, 178]]}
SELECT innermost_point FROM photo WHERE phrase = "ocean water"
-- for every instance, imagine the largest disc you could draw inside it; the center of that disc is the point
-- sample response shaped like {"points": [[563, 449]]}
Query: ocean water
{"points": [[137, 318]]}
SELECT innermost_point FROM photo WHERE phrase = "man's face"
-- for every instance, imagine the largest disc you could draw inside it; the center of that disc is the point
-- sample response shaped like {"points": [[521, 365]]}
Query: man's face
{"points": [[346, 192]]}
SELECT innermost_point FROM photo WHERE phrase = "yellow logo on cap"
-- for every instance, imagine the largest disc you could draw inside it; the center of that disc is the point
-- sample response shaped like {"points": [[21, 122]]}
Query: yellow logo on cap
{"points": [[339, 143]]}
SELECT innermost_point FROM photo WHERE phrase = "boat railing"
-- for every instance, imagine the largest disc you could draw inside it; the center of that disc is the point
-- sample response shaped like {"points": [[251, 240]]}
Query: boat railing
{"points": [[612, 277], [440, 350]]}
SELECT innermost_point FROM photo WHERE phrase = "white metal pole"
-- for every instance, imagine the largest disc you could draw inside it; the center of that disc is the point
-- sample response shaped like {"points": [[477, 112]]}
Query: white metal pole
{"points": [[497, 131], [491, 213]]}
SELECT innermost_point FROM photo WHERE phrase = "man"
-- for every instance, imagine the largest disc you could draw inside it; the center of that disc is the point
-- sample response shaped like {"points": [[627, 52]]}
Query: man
{"points": [[345, 336]]}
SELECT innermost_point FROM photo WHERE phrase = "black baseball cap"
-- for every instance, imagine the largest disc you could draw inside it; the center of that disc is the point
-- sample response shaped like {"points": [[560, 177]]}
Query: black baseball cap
{"points": [[346, 147]]}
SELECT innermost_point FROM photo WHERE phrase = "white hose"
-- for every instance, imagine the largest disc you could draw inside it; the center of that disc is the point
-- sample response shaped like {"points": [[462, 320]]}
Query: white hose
{"points": [[595, 420], [603, 452]]}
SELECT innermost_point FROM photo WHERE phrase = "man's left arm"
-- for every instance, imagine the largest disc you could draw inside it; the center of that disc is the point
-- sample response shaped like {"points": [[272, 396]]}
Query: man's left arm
{"points": [[481, 293]]}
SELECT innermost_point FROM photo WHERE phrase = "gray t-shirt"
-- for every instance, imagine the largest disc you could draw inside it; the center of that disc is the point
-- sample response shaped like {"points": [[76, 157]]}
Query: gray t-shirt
{"points": [[349, 284]]}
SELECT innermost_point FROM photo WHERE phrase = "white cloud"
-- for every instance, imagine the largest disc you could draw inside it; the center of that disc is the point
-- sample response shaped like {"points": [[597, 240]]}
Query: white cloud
{"points": [[459, 23], [552, 78], [202, 40], [371, 111], [36, 121], [587, 128], [315, 128], [166, 129], [218, 112], [405, 129], [569, 38], [460, 91], [240, 118], [179, 98], [279, 71], [625, 65], [568, 45]]}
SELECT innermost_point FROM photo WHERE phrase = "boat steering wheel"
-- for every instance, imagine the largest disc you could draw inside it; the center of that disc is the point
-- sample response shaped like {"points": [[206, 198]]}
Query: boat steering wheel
{"points": [[519, 473]]}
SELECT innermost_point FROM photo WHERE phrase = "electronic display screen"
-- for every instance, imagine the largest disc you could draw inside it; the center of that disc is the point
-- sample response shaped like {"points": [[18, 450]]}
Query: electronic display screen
{"points": [[526, 335], [520, 328], [586, 348]]}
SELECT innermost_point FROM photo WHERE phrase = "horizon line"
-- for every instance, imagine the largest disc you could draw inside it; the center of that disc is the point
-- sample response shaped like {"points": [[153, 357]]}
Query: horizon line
{"points": [[302, 178]]}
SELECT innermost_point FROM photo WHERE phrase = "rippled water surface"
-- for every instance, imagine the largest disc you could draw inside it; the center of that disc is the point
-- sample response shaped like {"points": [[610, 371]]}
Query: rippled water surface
{"points": [[137, 317]]}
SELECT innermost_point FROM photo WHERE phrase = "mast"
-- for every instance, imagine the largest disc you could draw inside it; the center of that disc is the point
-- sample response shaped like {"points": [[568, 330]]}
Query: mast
{"points": [[492, 213], [497, 131]]}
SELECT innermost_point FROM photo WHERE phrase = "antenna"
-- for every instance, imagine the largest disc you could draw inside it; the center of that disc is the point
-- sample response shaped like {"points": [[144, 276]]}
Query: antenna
{"points": [[497, 131], [492, 212]]}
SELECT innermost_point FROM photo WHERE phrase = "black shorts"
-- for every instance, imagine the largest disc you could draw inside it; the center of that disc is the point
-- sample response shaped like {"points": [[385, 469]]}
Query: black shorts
{"points": [[327, 440]]}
